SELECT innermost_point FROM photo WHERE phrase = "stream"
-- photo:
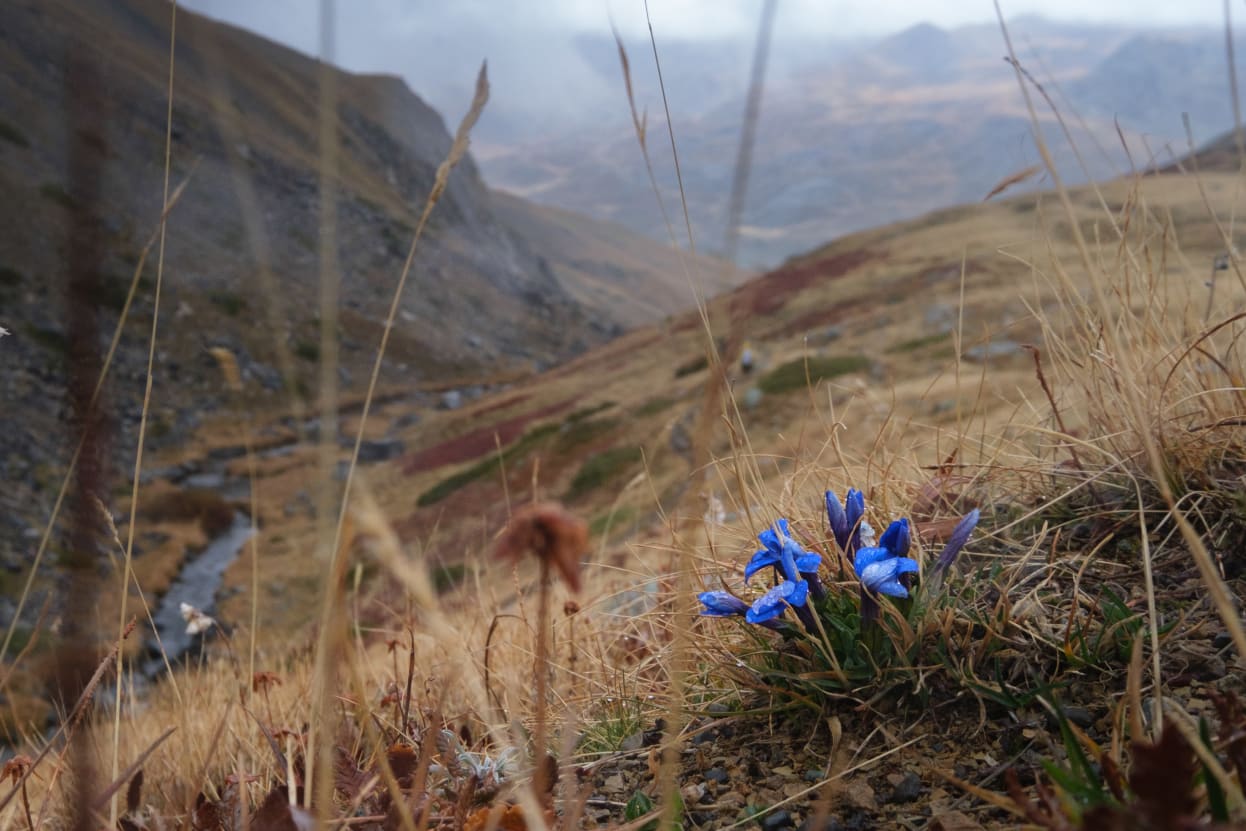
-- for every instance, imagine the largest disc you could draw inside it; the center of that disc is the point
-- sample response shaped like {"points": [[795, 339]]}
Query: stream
{"points": [[196, 585]]}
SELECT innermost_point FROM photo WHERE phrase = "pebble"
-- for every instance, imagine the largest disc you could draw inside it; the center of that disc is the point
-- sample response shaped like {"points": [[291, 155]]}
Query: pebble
{"points": [[693, 793], [633, 742], [1221, 640], [907, 789], [716, 774], [775, 821]]}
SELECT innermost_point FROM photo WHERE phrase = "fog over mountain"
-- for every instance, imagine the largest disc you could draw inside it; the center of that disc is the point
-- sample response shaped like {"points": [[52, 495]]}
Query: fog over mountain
{"points": [[854, 131]]}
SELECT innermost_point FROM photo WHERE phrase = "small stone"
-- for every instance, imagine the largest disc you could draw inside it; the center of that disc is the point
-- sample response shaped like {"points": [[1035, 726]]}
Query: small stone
{"points": [[1221, 640], [717, 774], [379, 450], [813, 776], [775, 821], [907, 789], [859, 794], [633, 742], [614, 783]]}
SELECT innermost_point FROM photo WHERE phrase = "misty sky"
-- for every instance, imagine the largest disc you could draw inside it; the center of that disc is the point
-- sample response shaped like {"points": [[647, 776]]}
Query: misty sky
{"points": [[538, 55], [295, 22]]}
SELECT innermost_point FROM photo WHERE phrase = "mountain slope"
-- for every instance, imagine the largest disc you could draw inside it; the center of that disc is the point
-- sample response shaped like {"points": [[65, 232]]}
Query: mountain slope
{"points": [[606, 267], [242, 259]]}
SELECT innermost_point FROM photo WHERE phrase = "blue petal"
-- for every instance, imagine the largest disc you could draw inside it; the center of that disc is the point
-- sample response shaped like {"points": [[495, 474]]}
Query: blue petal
{"points": [[769, 605], [721, 604], [799, 593], [892, 588], [867, 557], [791, 550], [905, 564], [882, 576], [960, 536], [854, 507], [774, 536], [838, 519], [896, 538], [760, 560], [809, 562]]}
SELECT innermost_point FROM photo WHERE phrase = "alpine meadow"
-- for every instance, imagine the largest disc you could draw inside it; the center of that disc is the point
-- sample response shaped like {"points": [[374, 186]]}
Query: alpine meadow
{"points": [[650, 429]]}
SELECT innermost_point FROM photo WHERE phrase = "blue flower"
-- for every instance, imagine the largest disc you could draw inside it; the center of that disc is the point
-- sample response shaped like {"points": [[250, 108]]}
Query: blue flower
{"points": [[797, 567], [838, 519], [784, 553], [721, 604], [960, 536], [880, 567], [896, 538], [845, 519]]}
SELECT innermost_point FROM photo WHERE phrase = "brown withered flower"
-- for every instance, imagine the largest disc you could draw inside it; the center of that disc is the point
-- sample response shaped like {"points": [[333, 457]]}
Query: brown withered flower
{"points": [[552, 533]]}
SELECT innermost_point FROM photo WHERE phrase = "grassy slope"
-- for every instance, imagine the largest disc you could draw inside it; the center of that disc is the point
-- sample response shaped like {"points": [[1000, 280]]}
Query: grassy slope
{"points": [[890, 294]]}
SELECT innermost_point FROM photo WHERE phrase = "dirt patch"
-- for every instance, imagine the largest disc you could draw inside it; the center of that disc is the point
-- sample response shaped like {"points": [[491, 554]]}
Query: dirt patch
{"points": [[787, 772], [478, 442]]}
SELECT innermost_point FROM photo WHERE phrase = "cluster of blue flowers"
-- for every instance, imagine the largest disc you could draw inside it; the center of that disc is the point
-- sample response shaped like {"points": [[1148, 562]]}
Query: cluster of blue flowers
{"points": [[881, 565]]}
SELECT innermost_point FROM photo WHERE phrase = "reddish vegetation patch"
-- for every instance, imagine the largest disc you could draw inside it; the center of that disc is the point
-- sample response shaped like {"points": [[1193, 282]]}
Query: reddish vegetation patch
{"points": [[770, 293], [478, 442], [838, 312]]}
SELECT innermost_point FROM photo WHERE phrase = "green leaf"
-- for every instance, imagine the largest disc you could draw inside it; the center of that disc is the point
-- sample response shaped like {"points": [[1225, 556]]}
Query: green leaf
{"points": [[637, 806]]}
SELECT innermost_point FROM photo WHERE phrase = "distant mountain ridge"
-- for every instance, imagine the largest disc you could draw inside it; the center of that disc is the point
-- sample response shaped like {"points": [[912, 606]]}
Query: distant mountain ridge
{"points": [[882, 131]]}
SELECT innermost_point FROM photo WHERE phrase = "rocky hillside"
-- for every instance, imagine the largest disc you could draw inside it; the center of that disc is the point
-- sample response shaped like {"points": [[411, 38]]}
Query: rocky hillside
{"points": [[241, 266]]}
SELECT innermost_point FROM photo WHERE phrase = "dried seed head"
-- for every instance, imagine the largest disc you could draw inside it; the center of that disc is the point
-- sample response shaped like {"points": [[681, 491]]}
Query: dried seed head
{"points": [[15, 768], [550, 532], [264, 680]]}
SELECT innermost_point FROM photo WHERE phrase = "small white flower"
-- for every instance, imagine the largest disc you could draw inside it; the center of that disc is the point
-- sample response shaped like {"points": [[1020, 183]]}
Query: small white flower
{"points": [[3, 331], [196, 621]]}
